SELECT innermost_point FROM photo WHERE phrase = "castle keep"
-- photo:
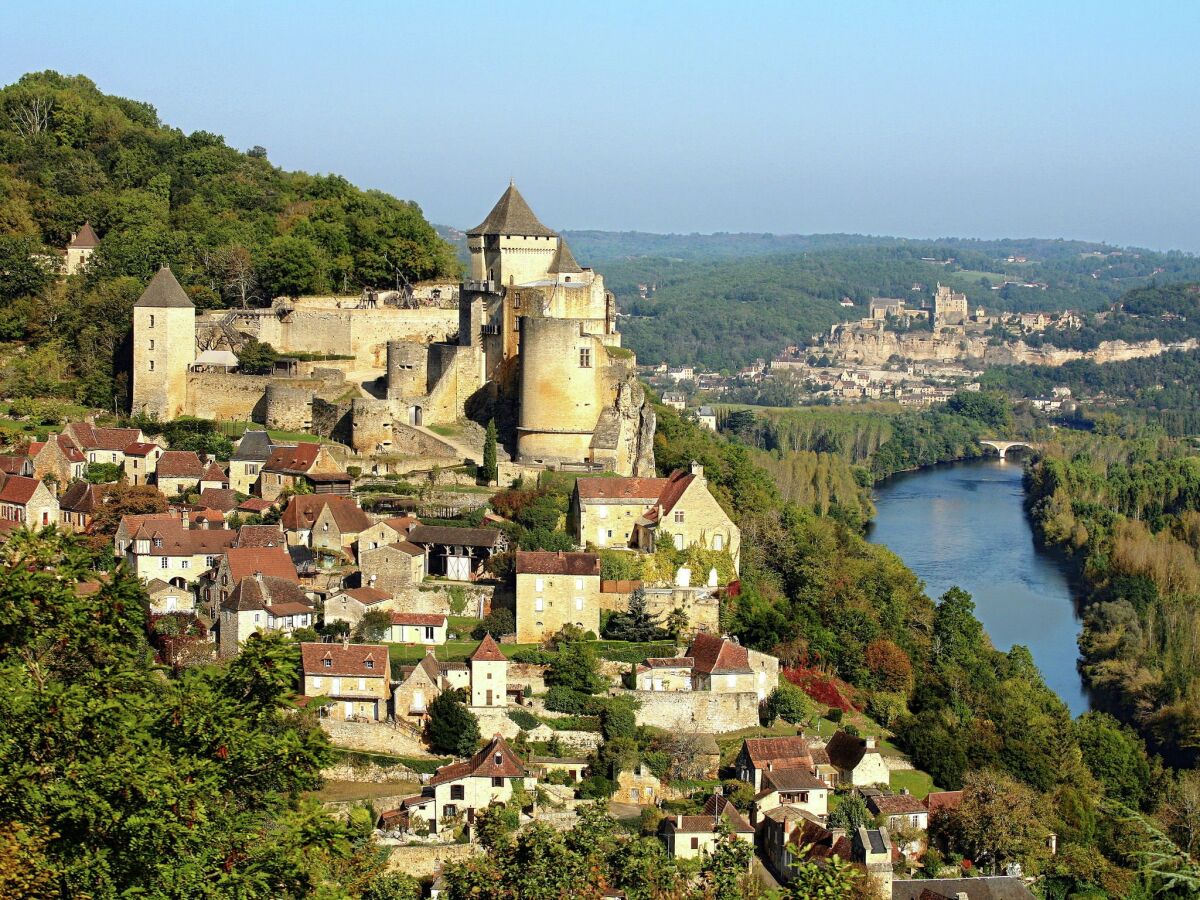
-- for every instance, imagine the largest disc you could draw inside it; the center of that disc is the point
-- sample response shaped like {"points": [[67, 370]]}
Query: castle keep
{"points": [[529, 338]]}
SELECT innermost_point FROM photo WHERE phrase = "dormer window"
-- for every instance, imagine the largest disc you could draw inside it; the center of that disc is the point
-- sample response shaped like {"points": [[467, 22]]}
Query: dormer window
{"points": [[499, 758], [370, 663], [158, 542], [327, 663]]}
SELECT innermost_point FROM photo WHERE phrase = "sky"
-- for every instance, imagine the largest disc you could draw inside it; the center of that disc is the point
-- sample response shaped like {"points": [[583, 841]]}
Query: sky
{"points": [[918, 119]]}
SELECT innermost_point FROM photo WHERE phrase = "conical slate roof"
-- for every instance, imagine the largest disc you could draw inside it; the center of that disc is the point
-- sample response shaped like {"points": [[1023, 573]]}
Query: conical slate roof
{"points": [[164, 290], [512, 215], [564, 261], [86, 239]]}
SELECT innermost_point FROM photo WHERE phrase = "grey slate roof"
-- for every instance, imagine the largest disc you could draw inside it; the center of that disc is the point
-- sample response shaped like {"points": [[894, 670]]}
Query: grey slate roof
{"points": [[512, 215], [993, 887], [564, 261], [164, 291], [255, 446]]}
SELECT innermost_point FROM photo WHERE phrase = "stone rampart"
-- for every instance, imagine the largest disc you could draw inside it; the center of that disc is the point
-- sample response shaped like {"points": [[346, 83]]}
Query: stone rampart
{"points": [[704, 712], [372, 737], [422, 862], [216, 395]]}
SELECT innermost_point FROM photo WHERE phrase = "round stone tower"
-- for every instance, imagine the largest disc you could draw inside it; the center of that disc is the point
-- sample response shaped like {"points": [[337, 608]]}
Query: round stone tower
{"points": [[561, 377], [407, 369]]}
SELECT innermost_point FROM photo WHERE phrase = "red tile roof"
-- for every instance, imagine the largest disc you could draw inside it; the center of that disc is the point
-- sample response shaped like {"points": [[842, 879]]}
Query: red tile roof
{"points": [[92, 438], [13, 465], [256, 504], [175, 540], [264, 592], [542, 562], [295, 460], [794, 778], [218, 498], [351, 660], [408, 547], [86, 238], [896, 804], [80, 497], [244, 561], [303, 510], [179, 464], [140, 449], [629, 489], [213, 472], [676, 485], [17, 489], [939, 800], [782, 752], [409, 618], [484, 764], [260, 536], [718, 656], [488, 651], [367, 596]]}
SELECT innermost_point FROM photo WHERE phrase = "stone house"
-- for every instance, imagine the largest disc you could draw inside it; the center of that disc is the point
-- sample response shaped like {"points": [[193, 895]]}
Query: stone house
{"points": [[57, 456], [229, 568], [489, 674], [706, 417], [246, 462], [78, 505], [665, 673], [461, 789], [761, 756], [167, 550], [388, 531], [901, 811], [350, 604], [556, 589], [575, 767], [417, 628], [178, 472], [307, 462], [788, 834], [484, 678], [80, 249], [797, 786], [262, 603], [167, 598], [323, 521], [634, 512], [27, 501], [393, 567], [857, 760], [356, 679], [141, 458], [103, 445], [11, 464], [638, 786], [690, 837], [715, 664], [419, 686], [213, 478], [130, 525]]}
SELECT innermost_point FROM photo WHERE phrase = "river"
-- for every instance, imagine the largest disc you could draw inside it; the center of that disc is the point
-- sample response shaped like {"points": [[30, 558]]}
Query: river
{"points": [[964, 524]]}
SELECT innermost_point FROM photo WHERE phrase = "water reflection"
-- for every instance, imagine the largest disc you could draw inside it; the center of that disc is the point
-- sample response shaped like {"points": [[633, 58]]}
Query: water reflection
{"points": [[964, 524]]}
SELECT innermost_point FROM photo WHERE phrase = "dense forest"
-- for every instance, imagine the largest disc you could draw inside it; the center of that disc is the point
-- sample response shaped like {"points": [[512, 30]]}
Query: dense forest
{"points": [[817, 594], [235, 229], [1128, 509]]}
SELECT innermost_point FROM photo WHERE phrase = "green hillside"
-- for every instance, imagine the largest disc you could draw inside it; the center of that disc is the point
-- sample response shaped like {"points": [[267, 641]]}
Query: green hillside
{"points": [[234, 228]]}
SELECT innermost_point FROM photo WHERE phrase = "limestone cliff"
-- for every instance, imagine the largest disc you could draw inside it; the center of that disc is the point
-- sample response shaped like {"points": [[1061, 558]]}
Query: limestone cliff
{"points": [[624, 434]]}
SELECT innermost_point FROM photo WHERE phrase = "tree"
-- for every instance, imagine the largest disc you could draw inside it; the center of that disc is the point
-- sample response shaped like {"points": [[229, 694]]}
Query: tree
{"points": [[103, 473], [851, 813], [489, 470], [726, 869], [238, 278], [255, 358], [576, 668], [1181, 810], [890, 665], [497, 623], [452, 727], [373, 626], [836, 879], [997, 821], [393, 886], [290, 266], [1116, 756], [789, 703], [636, 625], [120, 500]]}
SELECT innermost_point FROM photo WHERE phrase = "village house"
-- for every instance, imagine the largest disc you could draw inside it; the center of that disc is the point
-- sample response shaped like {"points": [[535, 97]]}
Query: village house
{"points": [[788, 834], [638, 786], [457, 554], [262, 603], [57, 458], [458, 791], [163, 597], [387, 531], [28, 502], [80, 249], [350, 604], [168, 550], [355, 678], [575, 767], [235, 563], [760, 756], [901, 812], [141, 460], [706, 417], [178, 472], [11, 464], [556, 589], [103, 445], [245, 465], [717, 664], [484, 678], [857, 760], [78, 505], [393, 568], [324, 522], [633, 512], [489, 674], [796, 786], [306, 462], [689, 837], [675, 400], [417, 628], [130, 525]]}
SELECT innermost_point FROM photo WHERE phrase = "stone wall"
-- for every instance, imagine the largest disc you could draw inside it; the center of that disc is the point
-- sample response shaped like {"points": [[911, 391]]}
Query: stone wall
{"points": [[369, 773], [422, 862], [412, 442], [332, 420], [704, 712], [215, 395], [373, 737], [289, 407]]}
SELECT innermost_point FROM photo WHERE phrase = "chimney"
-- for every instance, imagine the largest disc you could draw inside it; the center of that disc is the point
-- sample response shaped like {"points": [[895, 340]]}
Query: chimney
{"points": [[836, 834], [346, 641], [679, 822], [185, 518], [696, 469], [429, 650], [870, 739]]}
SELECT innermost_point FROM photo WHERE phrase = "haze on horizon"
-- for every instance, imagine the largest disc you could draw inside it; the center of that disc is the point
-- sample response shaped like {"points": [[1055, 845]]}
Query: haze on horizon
{"points": [[1075, 120]]}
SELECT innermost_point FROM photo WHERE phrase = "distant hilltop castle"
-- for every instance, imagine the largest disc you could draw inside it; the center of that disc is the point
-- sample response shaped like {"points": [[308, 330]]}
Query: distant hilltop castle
{"points": [[530, 338]]}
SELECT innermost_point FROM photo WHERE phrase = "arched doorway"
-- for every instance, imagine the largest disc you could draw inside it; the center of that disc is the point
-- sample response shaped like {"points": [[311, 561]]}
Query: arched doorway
{"points": [[415, 415]]}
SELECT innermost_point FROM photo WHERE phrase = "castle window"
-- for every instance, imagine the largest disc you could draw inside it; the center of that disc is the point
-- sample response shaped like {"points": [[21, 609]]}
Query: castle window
{"points": [[585, 357], [370, 663], [151, 365], [151, 343], [538, 605], [152, 321]]}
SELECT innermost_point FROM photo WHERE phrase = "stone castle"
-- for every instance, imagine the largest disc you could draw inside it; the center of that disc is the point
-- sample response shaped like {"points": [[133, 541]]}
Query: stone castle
{"points": [[529, 338]]}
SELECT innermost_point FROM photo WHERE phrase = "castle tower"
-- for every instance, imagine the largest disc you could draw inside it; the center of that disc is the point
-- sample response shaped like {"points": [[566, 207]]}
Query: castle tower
{"points": [[489, 674], [561, 380], [164, 346], [511, 246], [80, 248]]}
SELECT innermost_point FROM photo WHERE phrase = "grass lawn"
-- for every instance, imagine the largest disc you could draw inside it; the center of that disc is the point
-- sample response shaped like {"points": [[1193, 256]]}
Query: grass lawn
{"points": [[445, 430], [451, 651], [235, 430], [918, 783]]}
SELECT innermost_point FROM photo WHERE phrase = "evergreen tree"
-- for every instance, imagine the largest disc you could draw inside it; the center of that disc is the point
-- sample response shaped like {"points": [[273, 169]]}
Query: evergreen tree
{"points": [[452, 727], [637, 625], [490, 471]]}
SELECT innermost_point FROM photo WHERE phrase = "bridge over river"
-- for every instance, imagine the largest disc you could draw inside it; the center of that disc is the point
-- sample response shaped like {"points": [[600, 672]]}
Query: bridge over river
{"points": [[1002, 447]]}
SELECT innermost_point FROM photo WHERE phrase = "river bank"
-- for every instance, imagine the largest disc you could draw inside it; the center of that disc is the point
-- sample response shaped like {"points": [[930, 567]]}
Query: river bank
{"points": [[964, 523]]}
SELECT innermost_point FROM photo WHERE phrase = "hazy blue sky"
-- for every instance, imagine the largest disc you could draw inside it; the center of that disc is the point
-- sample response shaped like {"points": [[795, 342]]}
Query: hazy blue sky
{"points": [[909, 118]]}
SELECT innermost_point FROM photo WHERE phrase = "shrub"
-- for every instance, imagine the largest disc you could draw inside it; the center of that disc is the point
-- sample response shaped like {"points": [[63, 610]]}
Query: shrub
{"points": [[834, 714], [789, 703], [596, 787], [523, 719], [532, 656], [563, 699], [496, 623]]}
